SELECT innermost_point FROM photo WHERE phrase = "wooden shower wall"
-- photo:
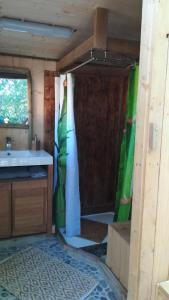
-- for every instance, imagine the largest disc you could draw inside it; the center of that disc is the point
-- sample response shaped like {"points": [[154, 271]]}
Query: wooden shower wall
{"points": [[100, 103]]}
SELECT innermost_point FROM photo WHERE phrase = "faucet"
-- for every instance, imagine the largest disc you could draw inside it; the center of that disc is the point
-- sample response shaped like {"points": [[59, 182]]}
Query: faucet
{"points": [[8, 145]]}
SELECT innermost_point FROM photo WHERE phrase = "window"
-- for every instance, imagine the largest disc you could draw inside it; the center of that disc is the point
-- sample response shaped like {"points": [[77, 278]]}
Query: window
{"points": [[14, 99]]}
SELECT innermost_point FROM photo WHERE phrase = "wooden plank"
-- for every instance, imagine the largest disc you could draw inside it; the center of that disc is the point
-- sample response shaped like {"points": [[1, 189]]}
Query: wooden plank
{"points": [[113, 251], [140, 154], [75, 54], [50, 198], [161, 260], [49, 110], [100, 28], [124, 47], [149, 259]]}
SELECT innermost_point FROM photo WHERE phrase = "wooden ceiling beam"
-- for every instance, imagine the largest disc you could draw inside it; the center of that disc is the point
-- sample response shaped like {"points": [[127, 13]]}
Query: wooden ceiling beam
{"points": [[99, 40], [124, 47], [75, 54], [100, 29]]}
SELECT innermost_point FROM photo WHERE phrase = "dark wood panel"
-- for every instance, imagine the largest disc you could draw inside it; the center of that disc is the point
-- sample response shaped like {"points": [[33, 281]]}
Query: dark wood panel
{"points": [[100, 101], [49, 110]]}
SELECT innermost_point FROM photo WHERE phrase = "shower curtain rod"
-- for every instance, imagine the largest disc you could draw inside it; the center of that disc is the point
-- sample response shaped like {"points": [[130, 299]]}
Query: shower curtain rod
{"points": [[81, 65], [93, 58]]}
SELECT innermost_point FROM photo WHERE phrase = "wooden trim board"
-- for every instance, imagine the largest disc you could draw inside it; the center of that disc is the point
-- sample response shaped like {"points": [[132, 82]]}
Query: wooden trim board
{"points": [[149, 251], [50, 199]]}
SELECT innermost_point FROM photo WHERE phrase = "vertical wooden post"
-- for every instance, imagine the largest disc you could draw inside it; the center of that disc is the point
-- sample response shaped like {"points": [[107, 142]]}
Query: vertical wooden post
{"points": [[149, 250], [50, 198], [100, 28]]}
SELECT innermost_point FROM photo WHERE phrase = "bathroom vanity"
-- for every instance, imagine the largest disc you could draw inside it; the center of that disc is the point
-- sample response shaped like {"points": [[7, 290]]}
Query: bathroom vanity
{"points": [[25, 194]]}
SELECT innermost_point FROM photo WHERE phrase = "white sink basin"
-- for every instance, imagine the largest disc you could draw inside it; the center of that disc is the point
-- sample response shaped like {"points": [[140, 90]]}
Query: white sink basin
{"points": [[25, 158]]}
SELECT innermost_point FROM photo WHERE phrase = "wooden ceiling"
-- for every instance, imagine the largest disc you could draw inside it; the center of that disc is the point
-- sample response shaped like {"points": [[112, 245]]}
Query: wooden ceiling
{"points": [[124, 22]]}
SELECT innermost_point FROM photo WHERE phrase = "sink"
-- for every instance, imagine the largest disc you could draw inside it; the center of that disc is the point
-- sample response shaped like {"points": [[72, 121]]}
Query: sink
{"points": [[24, 158], [16, 154]]}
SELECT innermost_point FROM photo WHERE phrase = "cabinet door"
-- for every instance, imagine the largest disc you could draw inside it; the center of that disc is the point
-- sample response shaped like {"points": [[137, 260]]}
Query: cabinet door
{"points": [[29, 206], [5, 210]]}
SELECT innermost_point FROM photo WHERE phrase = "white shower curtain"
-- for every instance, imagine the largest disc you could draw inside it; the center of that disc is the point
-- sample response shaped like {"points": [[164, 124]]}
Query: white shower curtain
{"points": [[72, 196]]}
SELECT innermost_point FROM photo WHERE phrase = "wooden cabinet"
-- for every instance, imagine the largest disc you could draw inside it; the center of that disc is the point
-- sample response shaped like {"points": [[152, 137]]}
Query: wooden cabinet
{"points": [[5, 210], [118, 250], [26, 206], [29, 207]]}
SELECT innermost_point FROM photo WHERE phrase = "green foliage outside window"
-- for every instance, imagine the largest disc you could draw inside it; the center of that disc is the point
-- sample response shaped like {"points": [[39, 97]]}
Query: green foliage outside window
{"points": [[14, 101]]}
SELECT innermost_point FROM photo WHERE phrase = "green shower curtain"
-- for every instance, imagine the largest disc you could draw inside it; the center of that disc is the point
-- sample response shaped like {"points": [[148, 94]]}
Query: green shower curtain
{"points": [[125, 176], [59, 209]]}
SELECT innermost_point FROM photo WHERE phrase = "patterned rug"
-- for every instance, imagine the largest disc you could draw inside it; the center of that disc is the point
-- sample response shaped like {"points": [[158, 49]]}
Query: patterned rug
{"points": [[32, 274]]}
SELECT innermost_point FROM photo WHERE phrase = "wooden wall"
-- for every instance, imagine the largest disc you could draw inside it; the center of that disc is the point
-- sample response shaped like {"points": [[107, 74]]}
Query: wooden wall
{"points": [[99, 114], [20, 138], [37, 68]]}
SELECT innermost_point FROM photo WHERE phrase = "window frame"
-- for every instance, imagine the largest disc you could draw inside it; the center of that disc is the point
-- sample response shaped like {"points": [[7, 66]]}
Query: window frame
{"points": [[20, 73]]}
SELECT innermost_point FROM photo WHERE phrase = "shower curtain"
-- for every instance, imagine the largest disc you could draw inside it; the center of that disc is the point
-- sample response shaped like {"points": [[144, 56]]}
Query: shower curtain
{"points": [[67, 197], [125, 176]]}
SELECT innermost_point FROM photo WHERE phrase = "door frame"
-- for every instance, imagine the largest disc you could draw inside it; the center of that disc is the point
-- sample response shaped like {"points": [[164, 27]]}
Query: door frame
{"points": [[149, 248]]}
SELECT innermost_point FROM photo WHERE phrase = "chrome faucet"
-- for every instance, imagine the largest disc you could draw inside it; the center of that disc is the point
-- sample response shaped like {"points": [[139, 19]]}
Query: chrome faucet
{"points": [[8, 145]]}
